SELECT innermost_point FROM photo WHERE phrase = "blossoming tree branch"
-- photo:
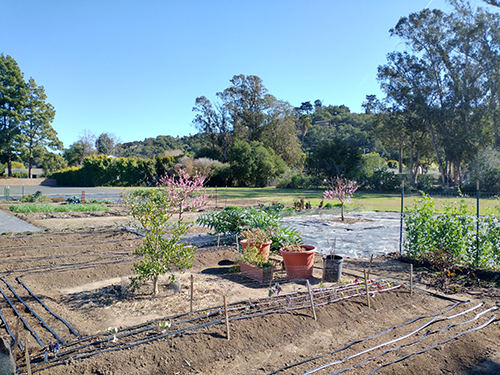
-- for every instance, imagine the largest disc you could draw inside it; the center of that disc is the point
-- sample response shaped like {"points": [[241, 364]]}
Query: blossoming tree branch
{"points": [[342, 189]]}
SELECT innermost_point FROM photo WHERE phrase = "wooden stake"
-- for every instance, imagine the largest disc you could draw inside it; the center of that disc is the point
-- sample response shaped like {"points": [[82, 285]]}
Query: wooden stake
{"points": [[28, 363], [227, 318], [311, 299], [191, 302], [370, 266], [237, 244], [411, 279], [367, 290], [218, 240]]}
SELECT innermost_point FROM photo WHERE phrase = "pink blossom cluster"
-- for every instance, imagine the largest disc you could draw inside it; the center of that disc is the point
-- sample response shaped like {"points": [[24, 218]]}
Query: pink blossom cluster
{"points": [[184, 191], [342, 189]]}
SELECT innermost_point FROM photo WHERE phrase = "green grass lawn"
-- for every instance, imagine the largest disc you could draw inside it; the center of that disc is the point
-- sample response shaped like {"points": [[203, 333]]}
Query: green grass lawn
{"points": [[362, 200]]}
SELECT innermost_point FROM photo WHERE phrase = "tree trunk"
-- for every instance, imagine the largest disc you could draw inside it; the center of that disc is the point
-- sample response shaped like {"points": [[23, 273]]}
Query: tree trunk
{"points": [[9, 164], [30, 166], [438, 158], [412, 162], [342, 212], [156, 289], [400, 169]]}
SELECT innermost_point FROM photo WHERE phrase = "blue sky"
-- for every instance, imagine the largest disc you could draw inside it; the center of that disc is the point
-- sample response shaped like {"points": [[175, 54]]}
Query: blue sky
{"points": [[134, 68]]}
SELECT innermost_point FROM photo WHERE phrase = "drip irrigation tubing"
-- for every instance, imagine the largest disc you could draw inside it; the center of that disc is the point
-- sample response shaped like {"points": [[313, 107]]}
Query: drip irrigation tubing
{"points": [[7, 328], [477, 316], [214, 311], [304, 298], [428, 323], [45, 325], [22, 319], [361, 340], [121, 347], [436, 345], [73, 331]]}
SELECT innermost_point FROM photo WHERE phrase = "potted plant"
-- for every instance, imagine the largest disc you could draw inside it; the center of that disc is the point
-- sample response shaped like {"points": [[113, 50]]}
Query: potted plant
{"points": [[298, 260], [259, 238], [254, 265]]}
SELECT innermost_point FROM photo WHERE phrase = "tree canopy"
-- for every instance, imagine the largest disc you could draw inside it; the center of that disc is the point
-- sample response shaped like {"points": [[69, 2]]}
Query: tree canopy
{"points": [[25, 116]]}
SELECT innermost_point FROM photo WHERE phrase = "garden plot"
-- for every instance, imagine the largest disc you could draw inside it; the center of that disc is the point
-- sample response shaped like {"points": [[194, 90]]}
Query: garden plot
{"points": [[81, 277], [361, 235]]}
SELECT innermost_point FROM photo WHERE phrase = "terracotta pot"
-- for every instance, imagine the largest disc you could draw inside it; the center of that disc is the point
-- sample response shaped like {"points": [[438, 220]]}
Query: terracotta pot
{"points": [[299, 265], [262, 275], [264, 248]]}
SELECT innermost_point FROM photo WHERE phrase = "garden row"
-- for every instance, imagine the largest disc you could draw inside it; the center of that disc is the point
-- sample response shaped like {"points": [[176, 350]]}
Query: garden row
{"points": [[454, 238]]}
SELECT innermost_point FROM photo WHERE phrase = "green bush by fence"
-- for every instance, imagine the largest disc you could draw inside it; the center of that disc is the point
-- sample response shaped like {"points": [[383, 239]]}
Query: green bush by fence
{"points": [[106, 171], [455, 237]]}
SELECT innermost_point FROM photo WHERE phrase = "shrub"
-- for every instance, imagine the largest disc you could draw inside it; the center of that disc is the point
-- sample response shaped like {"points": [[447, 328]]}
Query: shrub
{"points": [[162, 248], [384, 180], [451, 237], [232, 221]]}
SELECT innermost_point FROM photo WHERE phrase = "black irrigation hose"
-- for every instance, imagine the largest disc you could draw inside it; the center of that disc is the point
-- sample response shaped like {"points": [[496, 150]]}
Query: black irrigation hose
{"points": [[73, 331], [133, 330], [87, 355], [2, 318], [435, 345], [477, 316], [361, 340], [287, 300], [32, 312], [22, 319]]}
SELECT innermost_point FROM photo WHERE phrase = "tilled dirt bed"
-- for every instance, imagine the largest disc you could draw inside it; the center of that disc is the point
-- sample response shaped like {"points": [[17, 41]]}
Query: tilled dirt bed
{"points": [[81, 277]]}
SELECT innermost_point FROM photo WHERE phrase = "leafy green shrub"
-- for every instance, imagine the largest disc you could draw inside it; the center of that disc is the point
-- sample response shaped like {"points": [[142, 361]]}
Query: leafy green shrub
{"points": [[20, 174], [425, 182], [297, 181], [370, 163], [384, 180], [331, 205], [252, 256], [451, 237], [35, 197], [233, 220]]}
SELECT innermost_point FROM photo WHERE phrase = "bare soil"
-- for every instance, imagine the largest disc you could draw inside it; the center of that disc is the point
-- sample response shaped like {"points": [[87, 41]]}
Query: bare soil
{"points": [[82, 276]]}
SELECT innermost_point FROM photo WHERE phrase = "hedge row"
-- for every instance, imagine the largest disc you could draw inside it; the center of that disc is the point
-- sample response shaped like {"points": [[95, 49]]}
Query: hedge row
{"points": [[106, 171]]}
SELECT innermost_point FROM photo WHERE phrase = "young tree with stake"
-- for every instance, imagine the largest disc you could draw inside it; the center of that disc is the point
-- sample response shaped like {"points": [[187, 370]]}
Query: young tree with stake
{"points": [[161, 248], [342, 189]]}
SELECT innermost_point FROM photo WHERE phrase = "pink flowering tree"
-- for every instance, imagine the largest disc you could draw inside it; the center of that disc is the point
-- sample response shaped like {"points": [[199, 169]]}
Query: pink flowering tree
{"points": [[342, 189], [162, 248], [185, 192]]}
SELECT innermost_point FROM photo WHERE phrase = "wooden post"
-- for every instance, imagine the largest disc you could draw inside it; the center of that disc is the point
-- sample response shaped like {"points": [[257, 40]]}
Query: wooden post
{"points": [[227, 318], [411, 279], [191, 302], [311, 299], [218, 240], [367, 290], [28, 363]]}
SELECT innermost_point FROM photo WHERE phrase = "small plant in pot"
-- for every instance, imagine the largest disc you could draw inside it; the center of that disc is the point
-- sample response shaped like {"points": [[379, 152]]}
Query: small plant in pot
{"points": [[258, 238], [254, 265], [298, 260]]}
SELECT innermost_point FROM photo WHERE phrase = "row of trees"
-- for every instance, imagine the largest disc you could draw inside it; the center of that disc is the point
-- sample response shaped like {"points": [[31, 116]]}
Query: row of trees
{"points": [[442, 99], [25, 117], [442, 108]]}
